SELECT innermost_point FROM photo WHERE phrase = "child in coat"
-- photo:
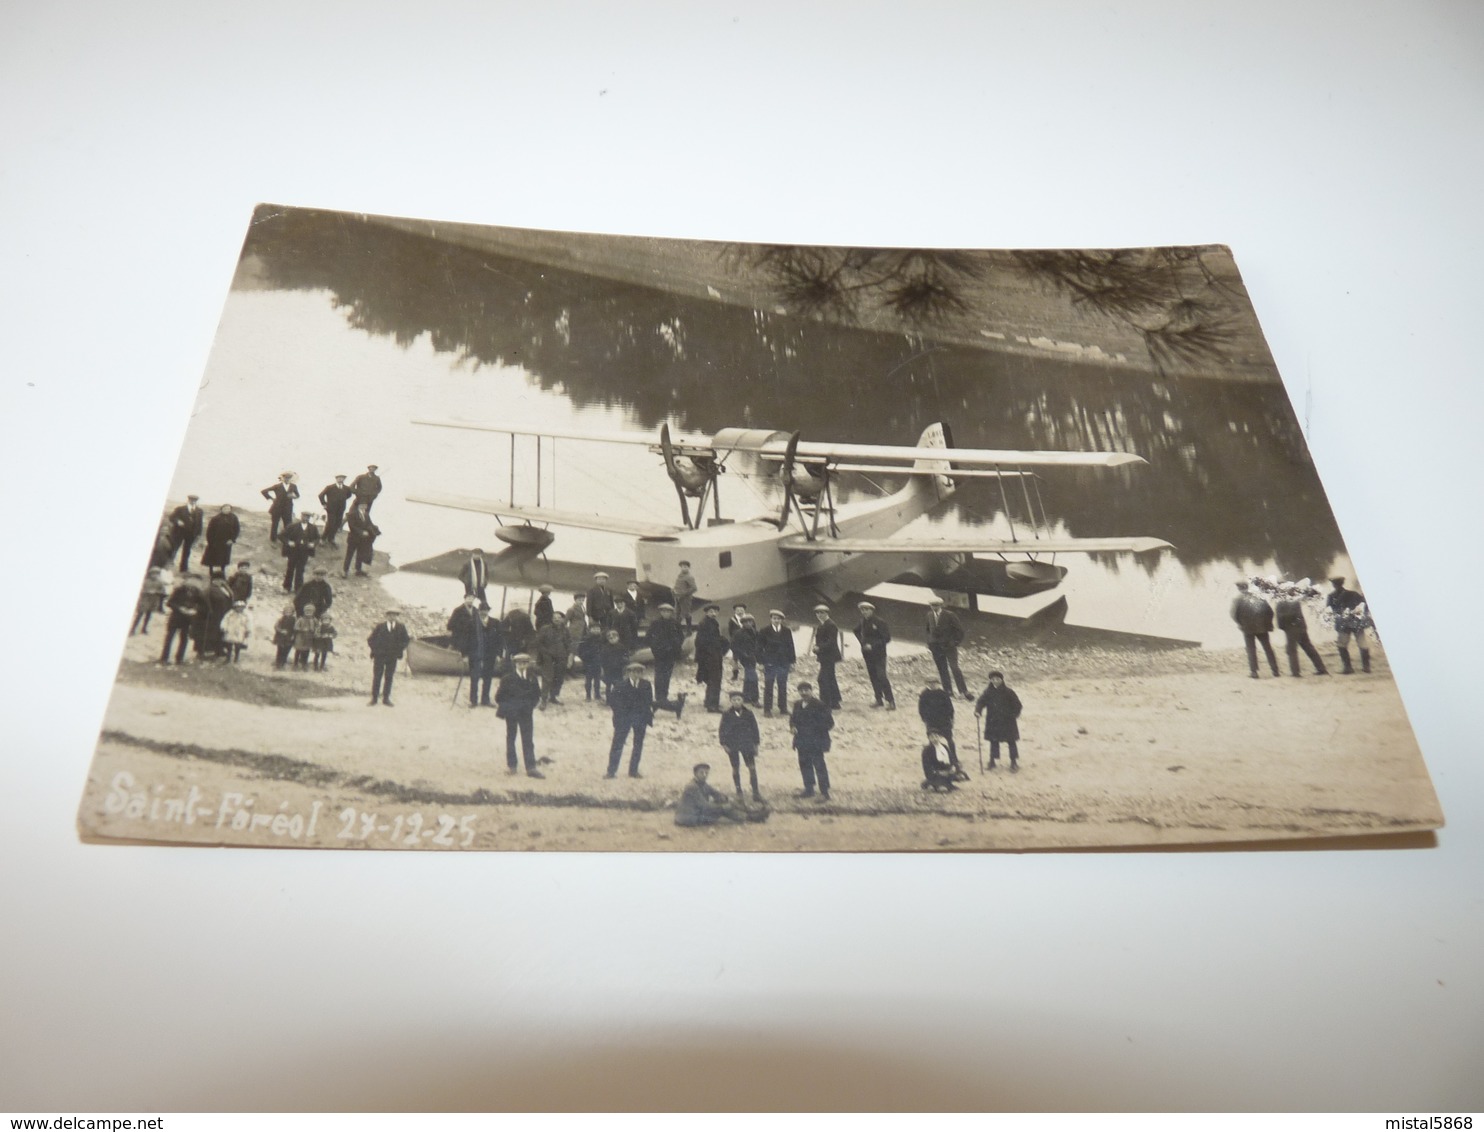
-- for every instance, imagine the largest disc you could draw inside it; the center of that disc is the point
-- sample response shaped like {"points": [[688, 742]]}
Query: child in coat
{"points": [[283, 635], [324, 641], [305, 629]]}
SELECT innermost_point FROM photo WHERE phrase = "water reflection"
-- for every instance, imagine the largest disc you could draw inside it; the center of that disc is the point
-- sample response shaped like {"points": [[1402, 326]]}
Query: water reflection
{"points": [[1229, 476]]}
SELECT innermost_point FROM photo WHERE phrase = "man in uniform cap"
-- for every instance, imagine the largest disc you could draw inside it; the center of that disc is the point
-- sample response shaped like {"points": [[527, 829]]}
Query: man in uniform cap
{"points": [[632, 704], [944, 634], [388, 641], [874, 635], [333, 498], [367, 486], [186, 524], [515, 702], [711, 648], [553, 656], [828, 650]]}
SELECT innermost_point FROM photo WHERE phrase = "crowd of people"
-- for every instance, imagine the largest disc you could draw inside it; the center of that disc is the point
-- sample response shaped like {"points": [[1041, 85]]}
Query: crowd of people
{"points": [[209, 613], [519, 665]]}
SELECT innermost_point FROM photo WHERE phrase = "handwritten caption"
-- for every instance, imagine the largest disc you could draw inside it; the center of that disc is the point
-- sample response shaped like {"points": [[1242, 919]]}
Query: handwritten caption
{"points": [[240, 812]]}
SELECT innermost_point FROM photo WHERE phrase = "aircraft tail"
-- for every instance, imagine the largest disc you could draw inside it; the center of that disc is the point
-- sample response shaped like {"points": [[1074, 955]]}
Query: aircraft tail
{"points": [[941, 486]]}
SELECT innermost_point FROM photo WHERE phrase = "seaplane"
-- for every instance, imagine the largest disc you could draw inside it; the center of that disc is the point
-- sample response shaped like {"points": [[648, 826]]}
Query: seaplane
{"points": [[811, 541]]}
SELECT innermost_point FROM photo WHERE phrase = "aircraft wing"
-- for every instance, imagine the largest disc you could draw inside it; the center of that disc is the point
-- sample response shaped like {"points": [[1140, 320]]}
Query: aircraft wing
{"points": [[960, 457], [645, 439], [581, 520], [798, 544]]}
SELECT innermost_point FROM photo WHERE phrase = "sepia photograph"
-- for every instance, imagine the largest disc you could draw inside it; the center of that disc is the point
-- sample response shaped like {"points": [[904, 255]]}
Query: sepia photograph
{"points": [[492, 538]]}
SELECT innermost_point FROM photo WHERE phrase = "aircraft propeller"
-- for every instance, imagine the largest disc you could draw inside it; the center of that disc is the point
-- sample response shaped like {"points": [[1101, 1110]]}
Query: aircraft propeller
{"points": [[694, 474]]}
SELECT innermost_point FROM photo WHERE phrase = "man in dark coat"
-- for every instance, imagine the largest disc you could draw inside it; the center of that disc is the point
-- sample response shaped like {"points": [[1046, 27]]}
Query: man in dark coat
{"points": [[1254, 616], [635, 602], [544, 610], [827, 650], [300, 540], [811, 724], [666, 640], [625, 621], [316, 592], [1001, 709], [360, 537], [185, 528], [632, 703], [1290, 615], [600, 601], [187, 606], [738, 736], [776, 651], [520, 634], [463, 628], [945, 632], [515, 700], [485, 656], [333, 498], [475, 574], [280, 497], [935, 709], [702, 804], [221, 534], [1350, 623], [874, 635], [388, 641], [366, 486], [711, 648], [746, 645], [734, 626], [553, 657], [577, 622], [240, 582], [208, 633]]}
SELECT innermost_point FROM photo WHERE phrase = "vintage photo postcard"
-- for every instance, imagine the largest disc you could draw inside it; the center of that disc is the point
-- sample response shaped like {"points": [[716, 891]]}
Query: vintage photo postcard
{"points": [[486, 538]]}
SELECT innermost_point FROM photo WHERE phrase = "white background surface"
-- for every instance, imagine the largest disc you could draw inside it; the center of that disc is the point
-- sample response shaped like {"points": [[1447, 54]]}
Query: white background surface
{"points": [[1334, 146]]}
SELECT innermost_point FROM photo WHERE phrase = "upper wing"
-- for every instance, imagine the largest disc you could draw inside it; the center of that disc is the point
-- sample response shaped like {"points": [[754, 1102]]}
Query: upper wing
{"points": [[965, 545], [960, 457], [646, 439], [587, 522]]}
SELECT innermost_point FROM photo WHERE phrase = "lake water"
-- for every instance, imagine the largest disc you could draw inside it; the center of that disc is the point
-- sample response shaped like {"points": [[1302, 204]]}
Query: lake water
{"points": [[321, 364]]}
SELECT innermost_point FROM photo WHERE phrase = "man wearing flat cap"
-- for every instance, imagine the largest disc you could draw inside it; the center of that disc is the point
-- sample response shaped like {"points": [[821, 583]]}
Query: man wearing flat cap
{"points": [[388, 641], [1254, 616], [515, 702], [186, 524], [703, 804], [280, 497], [666, 639], [333, 498], [600, 601], [811, 724], [827, 649], [711, 648], [874, 635], [632, 703], [944, 634]]}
